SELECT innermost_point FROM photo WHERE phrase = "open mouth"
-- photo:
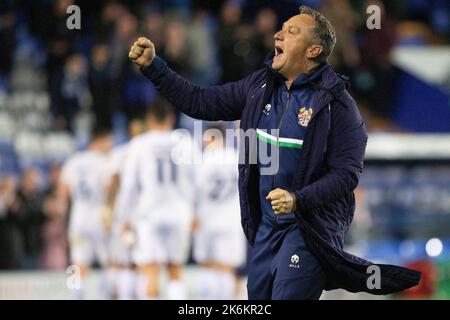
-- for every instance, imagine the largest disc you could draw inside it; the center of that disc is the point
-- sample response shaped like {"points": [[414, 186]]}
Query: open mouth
{"points": [[278, 51]]}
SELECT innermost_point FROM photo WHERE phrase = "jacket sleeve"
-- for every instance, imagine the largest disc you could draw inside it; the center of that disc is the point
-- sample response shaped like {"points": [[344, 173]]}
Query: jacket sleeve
{"points": [[344, 160], [220, 102]]}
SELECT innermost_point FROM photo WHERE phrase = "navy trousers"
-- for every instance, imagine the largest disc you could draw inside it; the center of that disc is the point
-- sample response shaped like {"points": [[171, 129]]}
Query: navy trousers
{"points": [[281, 266]]}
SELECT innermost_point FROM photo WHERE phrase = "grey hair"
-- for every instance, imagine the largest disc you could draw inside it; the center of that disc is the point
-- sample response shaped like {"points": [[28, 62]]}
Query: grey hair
{"points": [[323, 33]]}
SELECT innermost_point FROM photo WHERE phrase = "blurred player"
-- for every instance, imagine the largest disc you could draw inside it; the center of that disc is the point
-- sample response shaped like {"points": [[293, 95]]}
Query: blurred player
{"points": [[219, 243], [120, 248], [156, 197], [85, 182]]}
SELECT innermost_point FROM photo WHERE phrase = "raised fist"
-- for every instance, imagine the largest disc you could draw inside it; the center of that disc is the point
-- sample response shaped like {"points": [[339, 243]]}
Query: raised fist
{"points": [[142, 52]]}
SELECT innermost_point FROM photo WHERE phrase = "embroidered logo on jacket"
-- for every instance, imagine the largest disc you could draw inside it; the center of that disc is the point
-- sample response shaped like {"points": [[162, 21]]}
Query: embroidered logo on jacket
{"points": [[267, 108], [295, 259], [304, 115]]}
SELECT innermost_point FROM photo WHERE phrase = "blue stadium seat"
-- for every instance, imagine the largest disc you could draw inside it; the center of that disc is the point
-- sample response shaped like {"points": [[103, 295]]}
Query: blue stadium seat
{"points": [[9, 162]]}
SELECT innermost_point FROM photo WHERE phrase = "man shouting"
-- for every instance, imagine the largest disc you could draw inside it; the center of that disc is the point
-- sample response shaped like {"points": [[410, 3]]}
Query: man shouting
{"points": [[295, 219]]}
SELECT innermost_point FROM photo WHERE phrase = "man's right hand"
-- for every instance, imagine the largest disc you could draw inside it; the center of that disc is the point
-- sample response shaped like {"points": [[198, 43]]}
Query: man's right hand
{"points": [[142, 52]]}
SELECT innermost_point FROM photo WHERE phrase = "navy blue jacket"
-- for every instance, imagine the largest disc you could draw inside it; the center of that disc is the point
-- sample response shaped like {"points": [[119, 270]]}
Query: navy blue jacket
{"points": [[328, 171], [288, 112]]}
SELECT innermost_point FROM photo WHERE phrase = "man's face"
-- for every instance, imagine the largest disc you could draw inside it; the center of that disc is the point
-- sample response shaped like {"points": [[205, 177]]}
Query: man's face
{"points": [[291, 44]]}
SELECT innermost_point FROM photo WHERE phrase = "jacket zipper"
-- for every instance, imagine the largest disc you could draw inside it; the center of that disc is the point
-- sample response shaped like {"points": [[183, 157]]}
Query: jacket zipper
{"points": [[278, 137], [286, 107]]}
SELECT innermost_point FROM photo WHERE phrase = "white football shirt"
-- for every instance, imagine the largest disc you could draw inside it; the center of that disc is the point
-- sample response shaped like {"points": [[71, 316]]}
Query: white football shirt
{"points": [[159, 179]]}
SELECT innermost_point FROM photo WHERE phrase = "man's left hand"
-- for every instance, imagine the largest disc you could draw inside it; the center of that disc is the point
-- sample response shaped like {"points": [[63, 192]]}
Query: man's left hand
{"points": [[283, 202]]}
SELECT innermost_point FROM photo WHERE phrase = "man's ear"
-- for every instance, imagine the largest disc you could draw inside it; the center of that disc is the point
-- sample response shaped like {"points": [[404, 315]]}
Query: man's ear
{"points": [[314, 51]]}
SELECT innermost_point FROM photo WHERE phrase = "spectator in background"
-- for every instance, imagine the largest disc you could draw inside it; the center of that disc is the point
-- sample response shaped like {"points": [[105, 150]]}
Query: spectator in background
{"points": [[262, 39], [376, 73], [175, 51], [72, 94], [232, 47], [202, 48], [109, 17], [153, 23], [101, 84], [59, 42], [31, 216], [8, 43], [133, 94], [10, 237], [346, 57], [377, 43], [126, 28], [115, 27], [55, 246]]}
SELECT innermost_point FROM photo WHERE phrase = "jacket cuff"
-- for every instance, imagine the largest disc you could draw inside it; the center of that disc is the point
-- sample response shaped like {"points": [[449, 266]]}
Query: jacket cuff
{"points": [[155, 69], [299, 201]]}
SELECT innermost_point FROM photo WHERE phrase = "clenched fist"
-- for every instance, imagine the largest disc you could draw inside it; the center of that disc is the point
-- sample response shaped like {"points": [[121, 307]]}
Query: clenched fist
{"points": [[283, 202], [142, 52]]}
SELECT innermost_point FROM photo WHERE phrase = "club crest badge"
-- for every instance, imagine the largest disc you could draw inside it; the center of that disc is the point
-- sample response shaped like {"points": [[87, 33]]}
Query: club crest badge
{"points": [[304, 115]]}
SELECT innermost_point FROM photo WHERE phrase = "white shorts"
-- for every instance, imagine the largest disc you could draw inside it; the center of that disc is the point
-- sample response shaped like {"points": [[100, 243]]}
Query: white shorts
{"points": [[226, 247], [161, 242], [87, 247]]}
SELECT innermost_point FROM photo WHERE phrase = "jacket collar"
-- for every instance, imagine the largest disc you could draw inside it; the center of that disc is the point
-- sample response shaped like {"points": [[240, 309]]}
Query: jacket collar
{"points": [[328, 84], [325, 77]]}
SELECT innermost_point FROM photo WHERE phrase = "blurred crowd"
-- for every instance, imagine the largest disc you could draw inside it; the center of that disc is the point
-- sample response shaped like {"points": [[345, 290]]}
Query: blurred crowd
{"points": [[208, 42], [32, 222]]}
